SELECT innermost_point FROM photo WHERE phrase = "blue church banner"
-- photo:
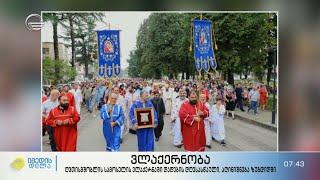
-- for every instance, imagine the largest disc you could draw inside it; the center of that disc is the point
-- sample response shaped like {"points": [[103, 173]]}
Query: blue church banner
{"points": [[109, 53], [203, 48]]}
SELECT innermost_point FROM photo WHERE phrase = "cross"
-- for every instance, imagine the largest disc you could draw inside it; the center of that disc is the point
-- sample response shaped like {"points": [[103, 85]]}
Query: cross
{"points": [[201, 63], [116, 69], [109, 71], [101, 70], [213, 64], [205, 64], [198, 63], [105, 70]]}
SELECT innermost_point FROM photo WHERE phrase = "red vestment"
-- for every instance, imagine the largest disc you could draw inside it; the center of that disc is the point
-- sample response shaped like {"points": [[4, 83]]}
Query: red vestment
{"points": [[65, 136], [71, 99], [193, 133], [206, 92]]}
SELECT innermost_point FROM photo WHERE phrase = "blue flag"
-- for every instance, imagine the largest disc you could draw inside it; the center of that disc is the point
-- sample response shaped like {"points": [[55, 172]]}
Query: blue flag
{"points": [[109, 53], [203, 48]]}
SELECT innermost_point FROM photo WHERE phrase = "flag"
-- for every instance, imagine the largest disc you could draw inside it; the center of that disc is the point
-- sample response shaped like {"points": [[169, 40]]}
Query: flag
{"points": [[109, 53], [203, 48]]}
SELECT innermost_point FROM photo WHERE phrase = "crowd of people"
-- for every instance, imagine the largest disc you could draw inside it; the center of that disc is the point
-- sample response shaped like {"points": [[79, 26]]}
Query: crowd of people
{"points": [[196, 110]]}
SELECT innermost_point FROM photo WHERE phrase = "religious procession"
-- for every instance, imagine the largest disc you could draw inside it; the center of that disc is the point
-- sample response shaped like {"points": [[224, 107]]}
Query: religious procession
{"points": [[168, 84]]}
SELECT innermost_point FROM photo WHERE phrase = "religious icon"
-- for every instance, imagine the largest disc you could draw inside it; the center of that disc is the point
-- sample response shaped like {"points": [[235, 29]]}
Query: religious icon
{"points": [[108, 47], [144, 117], [203, 39]]}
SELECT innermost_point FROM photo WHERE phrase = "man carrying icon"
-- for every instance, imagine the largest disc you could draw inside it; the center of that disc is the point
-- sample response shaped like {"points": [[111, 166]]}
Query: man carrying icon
{"points": [[145, 135]]}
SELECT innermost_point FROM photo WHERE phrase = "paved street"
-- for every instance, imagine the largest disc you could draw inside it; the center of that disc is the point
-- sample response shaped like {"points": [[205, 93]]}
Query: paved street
{"points": [[240, 136]]}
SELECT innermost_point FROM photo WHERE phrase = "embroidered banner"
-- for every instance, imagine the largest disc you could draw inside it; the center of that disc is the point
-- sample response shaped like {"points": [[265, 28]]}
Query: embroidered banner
{"points": [[109, 53], [203, 48]]}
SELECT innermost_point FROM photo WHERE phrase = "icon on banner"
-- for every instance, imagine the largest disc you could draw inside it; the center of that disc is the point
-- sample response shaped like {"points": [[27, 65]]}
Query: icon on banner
{"points": [[203, 39], [108, 47]]}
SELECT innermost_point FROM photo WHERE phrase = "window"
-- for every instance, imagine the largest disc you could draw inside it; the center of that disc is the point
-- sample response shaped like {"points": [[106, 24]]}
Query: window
{"points": [[45, 51]]}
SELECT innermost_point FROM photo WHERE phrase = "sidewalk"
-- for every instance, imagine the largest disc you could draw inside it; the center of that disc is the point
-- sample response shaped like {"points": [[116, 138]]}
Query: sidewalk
{"points": [[263, 118]]}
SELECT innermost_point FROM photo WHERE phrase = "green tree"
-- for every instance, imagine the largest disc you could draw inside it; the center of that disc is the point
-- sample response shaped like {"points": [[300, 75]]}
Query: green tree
{"points": [[86, 42], [272, 42], [162, 46], [66, 73], [133, 69], [81, 35], [163, 43], [69, 26], [243, 40], [54, 19]]}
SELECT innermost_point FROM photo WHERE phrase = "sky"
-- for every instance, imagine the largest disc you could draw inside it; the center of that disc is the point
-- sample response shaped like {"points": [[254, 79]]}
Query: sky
{"points": [[127, 22]]}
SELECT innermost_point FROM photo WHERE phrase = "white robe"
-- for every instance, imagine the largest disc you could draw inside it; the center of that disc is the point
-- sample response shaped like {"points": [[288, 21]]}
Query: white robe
{"points": [[177, 135], [167, 95], [129, 99], [121, 101], [77, 98], [174, 94], [217, 127], [207, 126]]}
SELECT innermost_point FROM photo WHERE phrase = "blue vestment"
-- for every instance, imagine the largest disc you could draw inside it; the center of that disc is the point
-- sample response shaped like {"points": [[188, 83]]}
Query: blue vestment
{"points": [[99, 93], [112, 135]]}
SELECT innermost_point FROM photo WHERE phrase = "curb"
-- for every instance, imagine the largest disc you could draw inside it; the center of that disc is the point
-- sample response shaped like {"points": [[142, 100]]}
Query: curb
{"points": [[251, 121]]}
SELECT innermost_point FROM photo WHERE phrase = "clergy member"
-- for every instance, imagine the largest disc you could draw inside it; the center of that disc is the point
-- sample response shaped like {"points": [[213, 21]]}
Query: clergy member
{"points": [[64, 119], [146, 135], [129, 99], [121, 101], [160, 108], [112, 116], [167, 95], [217, 127], [77, 96], [192, 115], [175, 120], [71, 100], [47, 106]]}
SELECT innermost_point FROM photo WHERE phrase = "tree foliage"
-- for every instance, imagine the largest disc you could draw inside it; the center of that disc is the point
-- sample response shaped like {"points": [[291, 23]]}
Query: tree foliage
{"points": [[79, 35], [163, 43], [82, 37], [162, 47], [66, 73]]}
